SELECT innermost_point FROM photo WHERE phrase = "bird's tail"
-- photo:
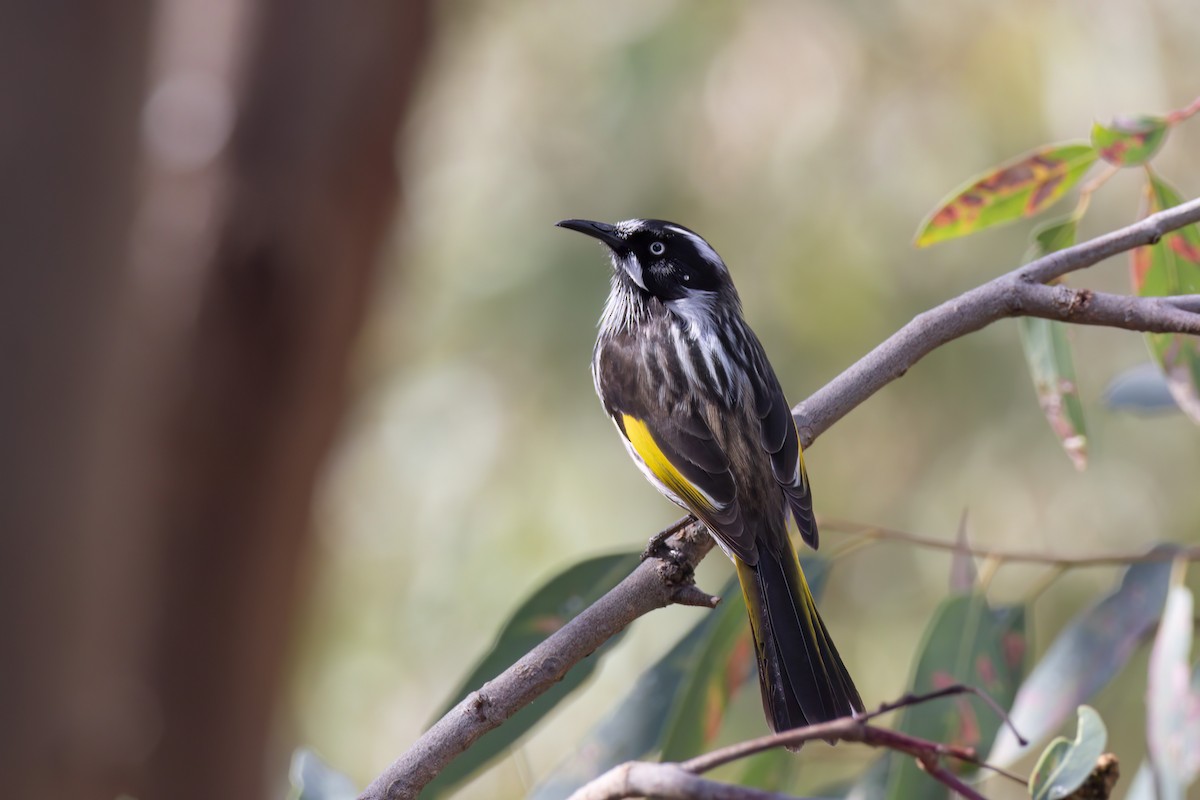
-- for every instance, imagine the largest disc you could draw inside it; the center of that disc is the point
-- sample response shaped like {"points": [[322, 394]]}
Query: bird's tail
{"points": [[802, 677]]}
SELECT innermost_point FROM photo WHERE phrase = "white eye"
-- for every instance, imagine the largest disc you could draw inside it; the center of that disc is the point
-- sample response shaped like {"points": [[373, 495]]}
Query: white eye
{"points": [[686, 277], [657, 248]]}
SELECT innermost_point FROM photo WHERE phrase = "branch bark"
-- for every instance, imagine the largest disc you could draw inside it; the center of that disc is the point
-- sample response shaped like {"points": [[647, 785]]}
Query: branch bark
{"points": [[658, 582], [641, 779], [998, 298]]}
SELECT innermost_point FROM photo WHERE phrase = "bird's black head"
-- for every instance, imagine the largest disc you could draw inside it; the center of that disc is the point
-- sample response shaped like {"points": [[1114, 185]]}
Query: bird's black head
{"points": [[662, 259]]}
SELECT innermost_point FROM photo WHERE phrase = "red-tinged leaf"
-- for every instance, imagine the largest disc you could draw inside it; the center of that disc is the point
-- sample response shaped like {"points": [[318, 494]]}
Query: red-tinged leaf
{"points": [[1172, 267], [1085, 656], [1172, 704], [1130, 141], [1051, 362], [968, 641], [1020, 188], [1048, 353]]}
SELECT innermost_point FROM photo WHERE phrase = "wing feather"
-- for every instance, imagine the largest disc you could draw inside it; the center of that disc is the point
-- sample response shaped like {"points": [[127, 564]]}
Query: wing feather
{"points": [[682, 453], [782, 442]]}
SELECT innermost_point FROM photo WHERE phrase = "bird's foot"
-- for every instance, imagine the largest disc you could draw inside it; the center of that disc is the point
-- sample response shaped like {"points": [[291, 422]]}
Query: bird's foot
{"points": [[658, 547]]}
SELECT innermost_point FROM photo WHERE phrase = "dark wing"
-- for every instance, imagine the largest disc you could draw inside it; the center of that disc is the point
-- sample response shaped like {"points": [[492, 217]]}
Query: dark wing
{"points": [[672, 441], [681, 452], [782, 442]]}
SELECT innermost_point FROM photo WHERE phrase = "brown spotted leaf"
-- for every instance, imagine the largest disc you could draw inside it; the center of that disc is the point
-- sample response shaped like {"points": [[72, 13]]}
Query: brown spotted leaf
{"points": [[1051, 362], [968, 641], [1021, 188], [1172, 267], [1130, 141]]}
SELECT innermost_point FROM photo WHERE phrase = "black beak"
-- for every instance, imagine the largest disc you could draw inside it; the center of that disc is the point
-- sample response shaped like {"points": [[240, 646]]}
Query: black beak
{"points": [[597, 230]]}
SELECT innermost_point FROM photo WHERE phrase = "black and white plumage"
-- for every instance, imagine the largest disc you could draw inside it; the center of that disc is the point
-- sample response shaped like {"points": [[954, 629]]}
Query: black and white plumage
{"points": [[702, 414]]}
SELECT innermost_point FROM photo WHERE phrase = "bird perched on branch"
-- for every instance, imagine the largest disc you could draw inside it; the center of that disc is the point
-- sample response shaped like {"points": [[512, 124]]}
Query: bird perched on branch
{"points": [[702, 415]]}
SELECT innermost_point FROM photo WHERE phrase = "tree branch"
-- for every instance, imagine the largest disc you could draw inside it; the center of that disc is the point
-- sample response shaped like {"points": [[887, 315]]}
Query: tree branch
{"points": [[655, 583], [641, 779], [998, 298], [1002, 555], [1085, 307], [658, 582]]}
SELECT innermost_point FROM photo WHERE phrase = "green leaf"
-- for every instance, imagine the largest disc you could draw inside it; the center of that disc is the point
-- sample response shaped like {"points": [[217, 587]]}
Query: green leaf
{"points": [[724, 665], [547, 610], [1172, 702], [635, 727], [313, 779], [1064, 766], [1051, 362], [1085, 656], [772, 770], [1172, 267], [971, 642], [653, 711], [1140, 390], [872, 784], [1021, 188], [1048, 353], [1130, 141]]}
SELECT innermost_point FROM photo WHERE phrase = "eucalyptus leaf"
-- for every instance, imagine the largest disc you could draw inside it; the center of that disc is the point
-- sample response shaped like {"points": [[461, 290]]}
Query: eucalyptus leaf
{"points": [[547, 609], [1085, 656], [1064, 765]]}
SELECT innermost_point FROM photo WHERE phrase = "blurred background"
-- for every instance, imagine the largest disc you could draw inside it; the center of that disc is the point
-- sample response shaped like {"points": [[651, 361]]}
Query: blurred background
{"points": [[205, 352], [805, 141]]}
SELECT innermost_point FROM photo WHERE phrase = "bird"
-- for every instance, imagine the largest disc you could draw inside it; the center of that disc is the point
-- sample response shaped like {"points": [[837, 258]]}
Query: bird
{"points": [[701, 413]]}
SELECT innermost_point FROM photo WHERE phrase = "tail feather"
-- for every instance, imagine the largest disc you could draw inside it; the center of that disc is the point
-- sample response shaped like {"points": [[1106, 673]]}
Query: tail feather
{"points": [[802, 677]]}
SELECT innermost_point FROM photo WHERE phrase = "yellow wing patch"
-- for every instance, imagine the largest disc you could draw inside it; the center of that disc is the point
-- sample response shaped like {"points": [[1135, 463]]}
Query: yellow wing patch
{"points": [[657, 462], [800, 456]]}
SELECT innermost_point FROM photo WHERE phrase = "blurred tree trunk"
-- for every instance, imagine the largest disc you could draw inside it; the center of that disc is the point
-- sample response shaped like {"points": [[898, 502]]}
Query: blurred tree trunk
{"points": [[175, 324]]}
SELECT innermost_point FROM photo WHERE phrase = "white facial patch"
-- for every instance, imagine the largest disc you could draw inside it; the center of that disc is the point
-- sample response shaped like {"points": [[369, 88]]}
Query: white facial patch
{"points": [[631, 267], [702, 247]]}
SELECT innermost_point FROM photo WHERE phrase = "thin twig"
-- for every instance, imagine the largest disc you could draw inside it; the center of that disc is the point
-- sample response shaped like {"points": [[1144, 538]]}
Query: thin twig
{"points": [[1086, 190], [878, 533], [638, 779], [1181, 114], [735, 752]]}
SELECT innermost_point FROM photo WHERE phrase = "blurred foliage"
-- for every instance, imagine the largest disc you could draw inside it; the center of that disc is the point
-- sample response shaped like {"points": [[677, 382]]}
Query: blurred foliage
{"points": [[805, 140], [547, 610], [1171, 266], [970, 642], [1065, 764], [1084, 656], [1047, 346]]}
